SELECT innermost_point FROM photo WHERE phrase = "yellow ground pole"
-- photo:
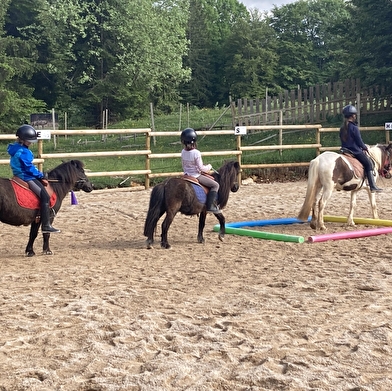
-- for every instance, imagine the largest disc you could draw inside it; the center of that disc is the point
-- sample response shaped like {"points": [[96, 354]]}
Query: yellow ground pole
{"points": [[358, 220]]}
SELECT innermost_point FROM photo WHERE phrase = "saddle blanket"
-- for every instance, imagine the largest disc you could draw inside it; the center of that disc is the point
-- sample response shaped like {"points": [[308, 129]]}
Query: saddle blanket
{"points": [[354, 164], [200, 193], [200, 190], [27, 199]]}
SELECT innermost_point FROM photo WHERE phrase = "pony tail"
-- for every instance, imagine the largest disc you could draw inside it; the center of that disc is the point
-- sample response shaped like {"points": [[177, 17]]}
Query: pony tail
{"points": [[311, 191], [156, 206]]}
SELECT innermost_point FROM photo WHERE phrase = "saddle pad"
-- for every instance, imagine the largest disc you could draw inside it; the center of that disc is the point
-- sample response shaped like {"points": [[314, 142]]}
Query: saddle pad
{"points": [[27, 199], [195, 181], [354, 164], [200, 193]]}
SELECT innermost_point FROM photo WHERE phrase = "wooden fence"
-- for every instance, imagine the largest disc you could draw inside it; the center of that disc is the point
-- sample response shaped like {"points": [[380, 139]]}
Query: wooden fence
{"points": [[311, 105], [148, 173]]}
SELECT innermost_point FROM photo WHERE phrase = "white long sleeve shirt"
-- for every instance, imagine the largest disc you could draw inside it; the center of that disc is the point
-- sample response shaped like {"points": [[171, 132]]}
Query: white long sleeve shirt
{"points": [[192, 163]]}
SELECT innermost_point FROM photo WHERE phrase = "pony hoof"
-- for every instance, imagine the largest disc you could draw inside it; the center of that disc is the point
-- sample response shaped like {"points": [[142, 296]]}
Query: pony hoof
{"points": [[221, 237], [30, 254], [149, 245], [165, 245], [47, 252]]}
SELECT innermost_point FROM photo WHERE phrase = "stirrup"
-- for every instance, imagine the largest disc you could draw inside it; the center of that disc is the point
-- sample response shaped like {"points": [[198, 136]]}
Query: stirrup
{"points": [[214, 210], [49, 230]]}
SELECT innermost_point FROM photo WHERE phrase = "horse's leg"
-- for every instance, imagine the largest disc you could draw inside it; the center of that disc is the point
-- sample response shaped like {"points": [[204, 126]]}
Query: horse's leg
{"points": [[315, 209], [373, 205], [353, 205], [46, 249], [222, 222], [150, 230], [202, 223], [327, 192], [33, 235], [165, 228], [313, 220]]}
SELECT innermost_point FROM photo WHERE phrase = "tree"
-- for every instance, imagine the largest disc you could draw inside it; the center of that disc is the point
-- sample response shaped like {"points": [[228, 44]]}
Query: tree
{"points": [[307, 46], [209, 28], [368, 42], [17, 64], [93, 55], [250, 58]]}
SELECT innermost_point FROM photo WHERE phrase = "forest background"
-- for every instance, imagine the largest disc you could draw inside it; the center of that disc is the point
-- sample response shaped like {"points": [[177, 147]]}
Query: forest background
{"points": [[87, 57]]}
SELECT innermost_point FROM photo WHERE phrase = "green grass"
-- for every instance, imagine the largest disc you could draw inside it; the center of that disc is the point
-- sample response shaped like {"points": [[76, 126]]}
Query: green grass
{"points": [[199, 119]]}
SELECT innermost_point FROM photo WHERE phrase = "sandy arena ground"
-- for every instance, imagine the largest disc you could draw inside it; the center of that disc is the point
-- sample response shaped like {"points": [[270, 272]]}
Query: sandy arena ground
{"points": [[104, 313]]}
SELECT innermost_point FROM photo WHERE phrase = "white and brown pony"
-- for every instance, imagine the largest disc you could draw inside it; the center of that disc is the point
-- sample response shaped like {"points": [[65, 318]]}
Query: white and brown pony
{"points": [[333, 171]]}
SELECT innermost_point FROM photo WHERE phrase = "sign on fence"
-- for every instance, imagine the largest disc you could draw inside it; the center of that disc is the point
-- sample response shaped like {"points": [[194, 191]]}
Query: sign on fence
{"points": [[239, 130], [43, 134]]}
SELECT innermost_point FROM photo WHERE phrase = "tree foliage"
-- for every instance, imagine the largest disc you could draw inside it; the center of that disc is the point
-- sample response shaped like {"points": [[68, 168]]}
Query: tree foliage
{"points": [[307, 42], [368, 42], [84, 57]]}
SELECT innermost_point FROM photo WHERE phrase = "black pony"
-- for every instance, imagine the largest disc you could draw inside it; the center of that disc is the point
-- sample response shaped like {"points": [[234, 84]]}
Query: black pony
{"points": [[178, 195], [62, 179]]}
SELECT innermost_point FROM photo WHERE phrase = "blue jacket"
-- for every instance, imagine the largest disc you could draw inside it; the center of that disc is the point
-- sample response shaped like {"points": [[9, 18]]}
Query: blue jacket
{"points": [[22, 162], [354, 140]]}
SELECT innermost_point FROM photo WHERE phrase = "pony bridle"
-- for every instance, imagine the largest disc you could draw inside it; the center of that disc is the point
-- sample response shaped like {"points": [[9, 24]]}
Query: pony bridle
{"points": [[384, 171], [78, 184]]}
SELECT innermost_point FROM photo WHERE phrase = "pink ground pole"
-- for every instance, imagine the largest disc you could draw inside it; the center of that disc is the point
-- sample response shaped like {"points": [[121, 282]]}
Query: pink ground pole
{"points": [[350, 234]]}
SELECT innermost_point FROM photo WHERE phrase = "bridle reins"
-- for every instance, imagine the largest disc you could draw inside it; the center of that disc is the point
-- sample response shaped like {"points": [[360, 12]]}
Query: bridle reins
{"points": [[78, 184]]}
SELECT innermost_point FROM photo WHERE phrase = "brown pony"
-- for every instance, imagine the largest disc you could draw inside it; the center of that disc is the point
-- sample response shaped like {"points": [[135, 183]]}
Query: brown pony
{"points": [[178, 195], [63, 178]]}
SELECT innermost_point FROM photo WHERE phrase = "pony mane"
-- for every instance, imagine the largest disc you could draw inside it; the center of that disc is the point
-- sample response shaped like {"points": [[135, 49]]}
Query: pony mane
{"points": [[382, 152], [65, 173], [226, 177]]}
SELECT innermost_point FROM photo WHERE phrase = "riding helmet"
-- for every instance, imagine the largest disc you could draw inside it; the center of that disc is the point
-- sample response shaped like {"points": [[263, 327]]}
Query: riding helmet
{"points": [[27, 133], [349, 110], [188, 136]]}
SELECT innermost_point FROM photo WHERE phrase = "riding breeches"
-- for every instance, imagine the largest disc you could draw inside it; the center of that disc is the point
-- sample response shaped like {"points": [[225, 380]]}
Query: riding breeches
{"points": [[38, 188], [209, 182], [364, 160]]}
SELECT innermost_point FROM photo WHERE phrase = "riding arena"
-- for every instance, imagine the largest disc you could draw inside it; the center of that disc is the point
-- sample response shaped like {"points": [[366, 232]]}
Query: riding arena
{"points": [[256, 310]]}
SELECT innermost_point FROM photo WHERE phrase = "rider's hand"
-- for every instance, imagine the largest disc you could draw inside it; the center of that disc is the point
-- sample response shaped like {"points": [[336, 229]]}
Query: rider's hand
{"points": [[44, 182]]}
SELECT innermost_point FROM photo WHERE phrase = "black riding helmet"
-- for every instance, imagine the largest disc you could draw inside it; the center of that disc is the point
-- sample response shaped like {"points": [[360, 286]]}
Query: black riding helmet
{"points": [[188, 136], [349, 110], [27, 133]]}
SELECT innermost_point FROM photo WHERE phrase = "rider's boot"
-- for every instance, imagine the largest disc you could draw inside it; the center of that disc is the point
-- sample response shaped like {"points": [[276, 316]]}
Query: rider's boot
{"points": [[211, 202], [45, 218], [372, 182]]}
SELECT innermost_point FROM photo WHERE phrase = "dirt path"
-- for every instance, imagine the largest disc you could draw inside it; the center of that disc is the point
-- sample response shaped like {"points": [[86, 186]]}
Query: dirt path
{"points": [[105, 313]]}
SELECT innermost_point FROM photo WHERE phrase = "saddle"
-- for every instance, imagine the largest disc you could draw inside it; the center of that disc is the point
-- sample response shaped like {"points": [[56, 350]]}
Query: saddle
{"points": [[26, 198], [353, 163], [195, 181], [200, 190]]}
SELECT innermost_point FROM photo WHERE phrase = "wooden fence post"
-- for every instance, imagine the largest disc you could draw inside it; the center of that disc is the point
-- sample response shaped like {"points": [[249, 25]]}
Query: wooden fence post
{"points": [[147, 164]]}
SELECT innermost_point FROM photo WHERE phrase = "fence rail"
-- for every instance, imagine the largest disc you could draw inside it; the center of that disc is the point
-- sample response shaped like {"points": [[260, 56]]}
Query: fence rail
{"points": [[236, 152], [314, 104]]}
